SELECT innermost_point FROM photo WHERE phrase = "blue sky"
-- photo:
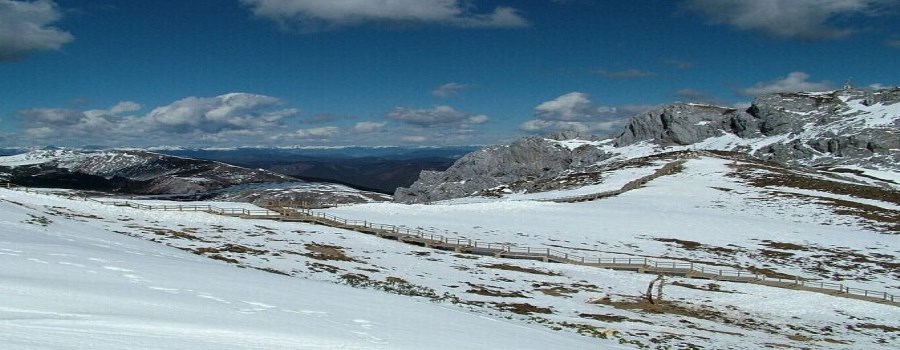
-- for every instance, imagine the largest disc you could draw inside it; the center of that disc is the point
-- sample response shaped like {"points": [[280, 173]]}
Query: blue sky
{"points": [[219, 73]]}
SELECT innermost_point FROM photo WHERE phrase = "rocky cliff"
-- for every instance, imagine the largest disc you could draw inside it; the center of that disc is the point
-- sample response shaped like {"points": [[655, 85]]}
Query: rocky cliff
{"points": [[837, 128], [527, 165], [844, 128]]}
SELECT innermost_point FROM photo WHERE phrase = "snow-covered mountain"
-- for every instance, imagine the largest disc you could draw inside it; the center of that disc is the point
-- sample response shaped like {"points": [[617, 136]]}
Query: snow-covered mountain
{"points": [[147, 173], [845, 131], [126, 171]]}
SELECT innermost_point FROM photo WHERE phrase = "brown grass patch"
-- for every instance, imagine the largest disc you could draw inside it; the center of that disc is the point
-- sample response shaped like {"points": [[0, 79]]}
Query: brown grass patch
{"points": [[326, 252], [509, 267], [784, 246], [183, 234], [878, 326], [230, 248], [490, 292], [611, 318], [522, 308], [689, 245]]}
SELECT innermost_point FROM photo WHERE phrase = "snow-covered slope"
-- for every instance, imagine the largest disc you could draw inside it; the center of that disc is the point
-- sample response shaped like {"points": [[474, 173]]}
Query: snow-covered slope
{"points": [[70, 282], [706, 214]]}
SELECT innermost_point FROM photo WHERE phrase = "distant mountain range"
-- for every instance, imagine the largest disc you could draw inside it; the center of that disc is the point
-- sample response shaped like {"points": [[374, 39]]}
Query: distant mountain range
{"points": [[380, 169], [136, 172]]}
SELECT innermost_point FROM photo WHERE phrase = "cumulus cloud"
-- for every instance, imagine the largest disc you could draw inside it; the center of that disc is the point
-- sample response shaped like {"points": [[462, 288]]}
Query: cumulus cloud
{"points": [[793, 82], [624, 74], [440, 115], [231, 117], [789, 19], [118, 109], [575, 111], [573, 106], [311, 15], [449, 90], [25, 27], [315, 133], [367, 127], [235, 111], [235, 119], [414, 139]]}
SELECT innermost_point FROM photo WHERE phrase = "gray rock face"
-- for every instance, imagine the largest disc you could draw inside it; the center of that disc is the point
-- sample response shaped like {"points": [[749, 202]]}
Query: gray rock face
{"points": [[835, 128], [521, 166], [680, 124]]}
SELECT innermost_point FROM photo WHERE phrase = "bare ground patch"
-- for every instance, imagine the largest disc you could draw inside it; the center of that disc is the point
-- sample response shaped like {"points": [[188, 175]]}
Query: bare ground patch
{"points": [[326, 252], [509, 267]]}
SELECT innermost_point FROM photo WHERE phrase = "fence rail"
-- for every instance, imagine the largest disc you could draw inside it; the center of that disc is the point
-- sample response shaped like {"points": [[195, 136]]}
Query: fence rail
{"points": [[280, 211]]}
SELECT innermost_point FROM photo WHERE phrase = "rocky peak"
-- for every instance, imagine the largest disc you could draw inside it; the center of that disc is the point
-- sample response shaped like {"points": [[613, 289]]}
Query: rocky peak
{"points": [[850, 127], [819, 128], [534, 159]]}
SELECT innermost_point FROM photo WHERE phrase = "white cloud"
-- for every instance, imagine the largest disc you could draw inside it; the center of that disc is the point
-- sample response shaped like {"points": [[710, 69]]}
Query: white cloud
{"points": [[440, 115], [793, 82], [416, 139], [236, 119], [232, 117], [449, 90], [575, 111], [789, 19], [367, 127], [25, 28], [41, 133], [233, 111], [118, 109], [317, 133], [570, 107], [318, 14]]}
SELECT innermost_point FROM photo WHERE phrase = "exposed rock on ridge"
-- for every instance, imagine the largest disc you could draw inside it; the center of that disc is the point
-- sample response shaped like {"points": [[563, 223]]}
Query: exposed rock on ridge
{"points": [[843, 127], [856, 128], [525, 165]]}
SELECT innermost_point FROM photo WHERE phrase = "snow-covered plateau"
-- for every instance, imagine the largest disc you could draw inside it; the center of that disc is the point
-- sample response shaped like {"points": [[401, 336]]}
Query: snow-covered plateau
{"points": [[81, 274]]}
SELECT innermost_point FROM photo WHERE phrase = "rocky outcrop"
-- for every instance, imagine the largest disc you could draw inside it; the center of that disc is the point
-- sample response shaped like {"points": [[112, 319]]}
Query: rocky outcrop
{"points": [[843, 127], [683, 124], [524, 165]]}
